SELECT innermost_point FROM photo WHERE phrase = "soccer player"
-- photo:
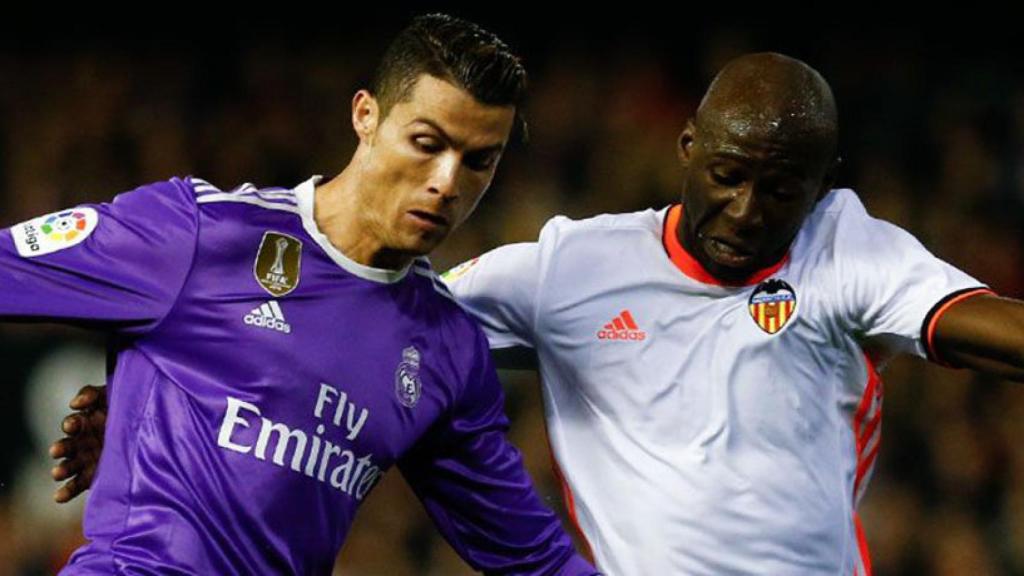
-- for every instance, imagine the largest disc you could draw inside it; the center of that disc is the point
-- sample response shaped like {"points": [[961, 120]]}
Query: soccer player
{"points": [[277, 350], [707, 392]]}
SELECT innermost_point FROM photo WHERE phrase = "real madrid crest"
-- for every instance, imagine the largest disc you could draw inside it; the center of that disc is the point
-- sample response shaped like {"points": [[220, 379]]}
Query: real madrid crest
{"points": [[772, 305], [278, 263], [407, 377]]}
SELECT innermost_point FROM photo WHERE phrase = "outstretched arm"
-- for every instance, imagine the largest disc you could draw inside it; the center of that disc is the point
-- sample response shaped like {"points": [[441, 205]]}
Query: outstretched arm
{"points": [[983, 332]]}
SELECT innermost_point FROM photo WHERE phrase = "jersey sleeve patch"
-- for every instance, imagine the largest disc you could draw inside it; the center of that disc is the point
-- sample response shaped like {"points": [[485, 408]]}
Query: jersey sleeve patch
{"points": [[459, 271], [54, 232]]}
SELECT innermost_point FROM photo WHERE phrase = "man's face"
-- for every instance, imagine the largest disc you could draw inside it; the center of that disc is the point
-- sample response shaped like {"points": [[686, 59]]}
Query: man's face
{"points": [[745, 194], [429, 161]]}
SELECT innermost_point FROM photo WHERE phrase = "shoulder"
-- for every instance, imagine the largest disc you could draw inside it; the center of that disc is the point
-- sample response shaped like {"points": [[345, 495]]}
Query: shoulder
{"points": [[840, 222], [457, 331], [598, 232], [630, 222], [243, 196], [451, 317]]}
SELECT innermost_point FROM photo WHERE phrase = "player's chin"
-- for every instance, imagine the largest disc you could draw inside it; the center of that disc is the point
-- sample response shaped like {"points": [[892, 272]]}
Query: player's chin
{"points": [[732, 270], [423, 244]]}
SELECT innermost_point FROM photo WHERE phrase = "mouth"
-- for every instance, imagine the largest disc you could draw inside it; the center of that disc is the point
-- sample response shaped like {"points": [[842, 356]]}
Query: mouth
{"points": [[428, 220], [727, 252]]}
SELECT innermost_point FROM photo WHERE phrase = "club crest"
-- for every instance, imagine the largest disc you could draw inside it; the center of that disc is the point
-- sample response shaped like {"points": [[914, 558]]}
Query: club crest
{"points": [[772, 305], [407, 378]]}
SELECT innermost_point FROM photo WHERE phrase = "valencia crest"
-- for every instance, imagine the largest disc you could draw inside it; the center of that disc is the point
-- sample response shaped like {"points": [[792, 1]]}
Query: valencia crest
{"points": [[772, 305]]}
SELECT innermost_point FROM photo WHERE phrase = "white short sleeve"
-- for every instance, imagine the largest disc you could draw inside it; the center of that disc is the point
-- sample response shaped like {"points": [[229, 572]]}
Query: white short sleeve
{"points": [[890, 286], [499, 289]]}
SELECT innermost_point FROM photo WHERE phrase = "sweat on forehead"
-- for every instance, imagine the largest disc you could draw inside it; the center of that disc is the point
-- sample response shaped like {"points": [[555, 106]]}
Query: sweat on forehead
{"points": [[772, 95]]}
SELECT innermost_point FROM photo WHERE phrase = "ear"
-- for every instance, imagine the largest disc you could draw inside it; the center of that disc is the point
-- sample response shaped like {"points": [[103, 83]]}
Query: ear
{"points": [[685, 143], [365, 115]]}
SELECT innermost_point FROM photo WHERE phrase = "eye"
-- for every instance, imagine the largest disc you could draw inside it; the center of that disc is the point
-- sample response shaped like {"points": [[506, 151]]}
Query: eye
{"points": [[428, 144], [727, 177], [785, 193], [481, 161], [784, 189]]}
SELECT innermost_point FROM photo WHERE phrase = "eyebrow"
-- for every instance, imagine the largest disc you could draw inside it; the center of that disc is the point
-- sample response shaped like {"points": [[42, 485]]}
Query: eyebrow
{"points": [[793, 168], [447, 138]]}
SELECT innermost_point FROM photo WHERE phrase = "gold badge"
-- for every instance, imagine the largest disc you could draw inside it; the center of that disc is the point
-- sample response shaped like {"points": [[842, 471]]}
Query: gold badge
{"points": [[278, 263]]}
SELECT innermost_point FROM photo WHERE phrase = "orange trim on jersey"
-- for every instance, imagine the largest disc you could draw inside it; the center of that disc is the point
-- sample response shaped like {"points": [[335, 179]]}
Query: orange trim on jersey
{"points": [[869, 430], [862, 434], [930, 340], [862, 545], [568, 499], [689, 265], [868, 397], [865, 464]]}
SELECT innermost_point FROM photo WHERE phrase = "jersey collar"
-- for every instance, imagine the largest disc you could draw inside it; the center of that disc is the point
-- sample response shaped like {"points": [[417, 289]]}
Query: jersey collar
{"points": [[689, 265], [305, 194]]}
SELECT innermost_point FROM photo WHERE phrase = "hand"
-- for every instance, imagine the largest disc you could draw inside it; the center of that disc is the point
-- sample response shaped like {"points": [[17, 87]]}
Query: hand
{"points": [[79, 451]]}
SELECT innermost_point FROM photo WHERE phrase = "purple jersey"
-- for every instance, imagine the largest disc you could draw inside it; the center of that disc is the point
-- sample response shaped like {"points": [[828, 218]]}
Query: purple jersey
{"points": [[265, 382]]}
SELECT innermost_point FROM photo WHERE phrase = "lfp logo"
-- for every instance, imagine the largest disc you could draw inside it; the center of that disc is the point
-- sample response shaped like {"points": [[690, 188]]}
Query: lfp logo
{"points": [[65, 226], [54, 232]]}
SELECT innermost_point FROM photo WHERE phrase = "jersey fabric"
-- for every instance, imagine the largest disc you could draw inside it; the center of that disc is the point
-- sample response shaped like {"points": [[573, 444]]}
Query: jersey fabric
{"points": [[706, 429], [264, 383]]}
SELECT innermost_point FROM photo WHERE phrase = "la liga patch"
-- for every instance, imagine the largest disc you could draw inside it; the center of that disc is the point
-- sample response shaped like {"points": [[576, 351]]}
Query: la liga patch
{"points": [[459, 271], [54, 232], [772, 305]]}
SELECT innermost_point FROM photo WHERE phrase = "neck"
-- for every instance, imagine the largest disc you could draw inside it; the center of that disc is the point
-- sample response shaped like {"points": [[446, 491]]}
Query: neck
{"points": [[348, 226]]}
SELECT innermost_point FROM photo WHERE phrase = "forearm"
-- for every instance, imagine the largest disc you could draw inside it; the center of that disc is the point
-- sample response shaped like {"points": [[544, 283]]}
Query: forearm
{"points": [[984, 333]]}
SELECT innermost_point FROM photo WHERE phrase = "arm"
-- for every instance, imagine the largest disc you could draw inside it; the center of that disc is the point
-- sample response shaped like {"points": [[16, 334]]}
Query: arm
{"points": [[116, 265], [472, 483], [499, 289], [983, 332]]}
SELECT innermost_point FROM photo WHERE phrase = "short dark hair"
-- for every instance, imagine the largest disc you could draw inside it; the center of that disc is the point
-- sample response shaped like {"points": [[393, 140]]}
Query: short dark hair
{"points": [[456, 51]]}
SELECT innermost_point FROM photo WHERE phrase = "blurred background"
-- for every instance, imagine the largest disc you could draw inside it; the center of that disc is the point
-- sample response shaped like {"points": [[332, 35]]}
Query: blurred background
{"points": [[932, 138]]}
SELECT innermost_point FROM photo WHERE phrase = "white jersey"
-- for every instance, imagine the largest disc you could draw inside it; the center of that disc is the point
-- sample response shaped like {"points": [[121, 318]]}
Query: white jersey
{"points": [[709, 429]]}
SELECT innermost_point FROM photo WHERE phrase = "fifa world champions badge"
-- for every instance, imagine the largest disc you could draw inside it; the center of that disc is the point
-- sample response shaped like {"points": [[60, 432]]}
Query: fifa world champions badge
{"points": [[772, 305], [407, 378], [278, 263]]}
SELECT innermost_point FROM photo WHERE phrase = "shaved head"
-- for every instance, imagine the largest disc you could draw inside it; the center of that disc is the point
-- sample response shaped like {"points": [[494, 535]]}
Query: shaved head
{"points": [[757, 157], [771, 96]]}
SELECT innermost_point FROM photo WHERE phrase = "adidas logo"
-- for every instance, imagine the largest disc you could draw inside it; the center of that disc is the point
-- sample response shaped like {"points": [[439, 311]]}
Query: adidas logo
{"points": [[622, 327], [269, 316]]}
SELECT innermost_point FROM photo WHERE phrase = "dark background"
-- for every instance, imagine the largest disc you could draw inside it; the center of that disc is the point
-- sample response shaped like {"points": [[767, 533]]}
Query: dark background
{"points": [[932, 138]]}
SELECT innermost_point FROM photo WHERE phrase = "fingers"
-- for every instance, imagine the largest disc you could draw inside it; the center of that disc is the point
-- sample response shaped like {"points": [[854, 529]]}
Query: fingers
{"points": [[63, 448], [73, 424], [66, 469], [69, 490], [89, 397]]}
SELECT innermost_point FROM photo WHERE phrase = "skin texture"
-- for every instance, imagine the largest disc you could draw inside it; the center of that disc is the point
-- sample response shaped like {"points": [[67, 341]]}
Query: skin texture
{"points": [[79, 451], [417, 173], [756, 159], [985, 333]]}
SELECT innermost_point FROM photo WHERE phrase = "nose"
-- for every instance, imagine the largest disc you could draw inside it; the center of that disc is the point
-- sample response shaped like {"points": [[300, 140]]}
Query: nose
{"points": [[744, 209], [445, 176]]}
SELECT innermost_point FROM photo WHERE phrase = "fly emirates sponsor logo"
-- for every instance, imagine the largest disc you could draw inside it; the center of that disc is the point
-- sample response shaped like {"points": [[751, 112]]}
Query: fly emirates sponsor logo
{"points": [[302, 451]]}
